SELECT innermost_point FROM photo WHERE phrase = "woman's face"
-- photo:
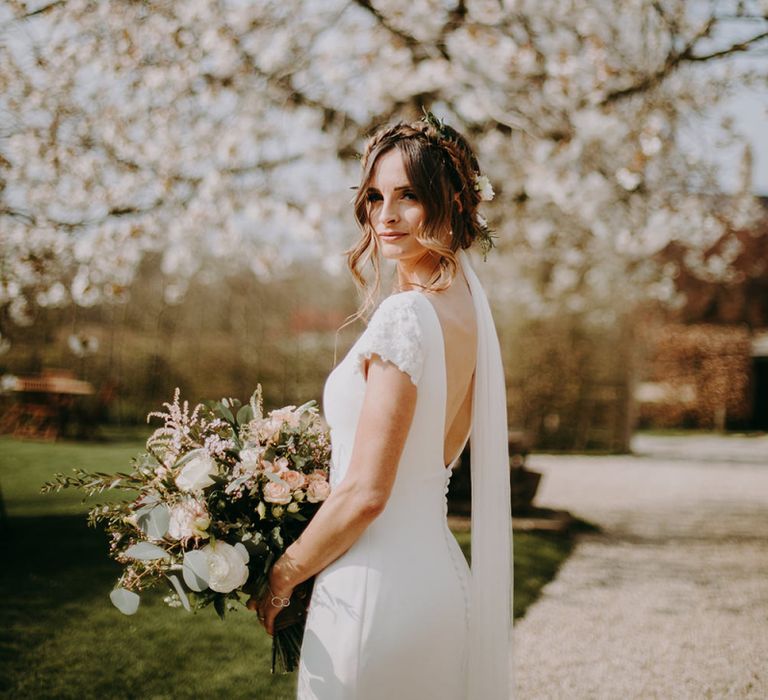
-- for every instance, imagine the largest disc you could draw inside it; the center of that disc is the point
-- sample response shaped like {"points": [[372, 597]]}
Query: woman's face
{"points": [[395, 213]]}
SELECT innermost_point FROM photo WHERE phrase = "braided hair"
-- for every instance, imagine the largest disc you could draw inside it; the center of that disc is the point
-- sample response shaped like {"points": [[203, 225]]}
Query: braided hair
{"points": [[442, 170]]}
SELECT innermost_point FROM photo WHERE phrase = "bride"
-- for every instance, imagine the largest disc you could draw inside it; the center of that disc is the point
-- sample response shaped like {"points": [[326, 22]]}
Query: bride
{"points": [[396, 612]]}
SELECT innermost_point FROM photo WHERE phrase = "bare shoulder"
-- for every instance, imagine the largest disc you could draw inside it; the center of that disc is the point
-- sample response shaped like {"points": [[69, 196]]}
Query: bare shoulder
{"points": [[456, 311]]}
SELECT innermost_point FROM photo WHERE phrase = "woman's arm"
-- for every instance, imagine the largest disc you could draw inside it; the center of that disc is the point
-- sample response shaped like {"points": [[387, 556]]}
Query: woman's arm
{"points": [[382, 429]]}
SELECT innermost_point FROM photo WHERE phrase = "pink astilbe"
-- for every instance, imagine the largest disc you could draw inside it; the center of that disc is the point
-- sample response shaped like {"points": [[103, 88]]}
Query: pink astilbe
{"points": [[181, 430]]}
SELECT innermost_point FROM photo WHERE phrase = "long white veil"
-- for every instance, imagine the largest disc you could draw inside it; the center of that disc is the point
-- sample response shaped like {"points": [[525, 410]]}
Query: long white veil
{"points": [[490, 626]]}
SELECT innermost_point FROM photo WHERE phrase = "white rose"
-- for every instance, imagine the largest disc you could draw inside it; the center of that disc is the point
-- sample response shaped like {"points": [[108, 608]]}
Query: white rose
{"points": [[226, 567], [196, 473], [188, 519], [250, 458]]}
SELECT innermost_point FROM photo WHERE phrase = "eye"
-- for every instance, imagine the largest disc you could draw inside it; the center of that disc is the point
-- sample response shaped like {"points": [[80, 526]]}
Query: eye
{"points": [[373, 197], [410, 195]]}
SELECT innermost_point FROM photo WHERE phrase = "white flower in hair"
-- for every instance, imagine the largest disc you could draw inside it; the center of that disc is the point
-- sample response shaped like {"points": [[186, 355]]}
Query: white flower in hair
{"points": [[484, 187]]}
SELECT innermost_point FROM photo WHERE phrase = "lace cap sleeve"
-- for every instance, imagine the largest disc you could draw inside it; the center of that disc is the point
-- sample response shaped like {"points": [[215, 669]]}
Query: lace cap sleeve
{"points": [[394, 334]]}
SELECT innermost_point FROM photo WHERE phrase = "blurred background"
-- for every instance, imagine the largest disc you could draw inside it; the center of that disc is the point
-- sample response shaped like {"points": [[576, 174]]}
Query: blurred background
{"points": [[175, 185], [175, 182]]}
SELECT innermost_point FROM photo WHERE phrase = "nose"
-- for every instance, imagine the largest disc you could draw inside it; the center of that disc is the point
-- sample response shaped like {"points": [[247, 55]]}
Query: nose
{"points": [[389, 213]]}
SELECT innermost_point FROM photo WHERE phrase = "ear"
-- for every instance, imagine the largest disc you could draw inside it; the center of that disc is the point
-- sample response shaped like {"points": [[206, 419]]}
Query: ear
{"points": [[458, 202]]}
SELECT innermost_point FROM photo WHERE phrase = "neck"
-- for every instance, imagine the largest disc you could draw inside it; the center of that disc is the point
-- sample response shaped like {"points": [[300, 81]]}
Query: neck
{"points": [[416, 273]]}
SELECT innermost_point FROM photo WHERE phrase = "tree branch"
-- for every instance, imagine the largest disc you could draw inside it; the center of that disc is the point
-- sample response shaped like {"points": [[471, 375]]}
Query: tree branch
{"points": [[43, 10], [414, 45], [676, 58], [734, 48]]}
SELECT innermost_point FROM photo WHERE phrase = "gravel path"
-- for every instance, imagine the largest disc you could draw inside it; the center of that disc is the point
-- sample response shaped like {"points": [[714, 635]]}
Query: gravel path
{"points": [[670, 600]]}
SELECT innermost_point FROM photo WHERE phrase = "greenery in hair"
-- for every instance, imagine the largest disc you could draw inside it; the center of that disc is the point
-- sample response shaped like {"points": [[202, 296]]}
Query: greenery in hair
{"points": [[485, 237], [430, 119]]}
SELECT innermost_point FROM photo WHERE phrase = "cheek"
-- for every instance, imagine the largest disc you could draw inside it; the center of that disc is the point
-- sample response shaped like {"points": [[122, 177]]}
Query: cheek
{"points": [[417, 216]]}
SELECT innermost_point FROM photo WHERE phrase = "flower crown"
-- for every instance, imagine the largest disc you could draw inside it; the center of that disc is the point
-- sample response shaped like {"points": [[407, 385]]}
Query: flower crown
{"points": [[480, 183]]}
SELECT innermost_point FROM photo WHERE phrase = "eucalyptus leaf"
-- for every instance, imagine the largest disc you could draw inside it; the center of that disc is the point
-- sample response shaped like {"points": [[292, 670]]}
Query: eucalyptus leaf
{"points": [[238, 482], [190, 455], [223, 411], [275, 478], [244, 415], [127, 602], [195, 570], [305, 406], [181, 592], [155, 521], [146, 551]]}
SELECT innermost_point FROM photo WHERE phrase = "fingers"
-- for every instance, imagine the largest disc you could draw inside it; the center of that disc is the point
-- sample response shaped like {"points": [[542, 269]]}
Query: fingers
{"points": [[269, 620], [266, 609], [260, 607]]}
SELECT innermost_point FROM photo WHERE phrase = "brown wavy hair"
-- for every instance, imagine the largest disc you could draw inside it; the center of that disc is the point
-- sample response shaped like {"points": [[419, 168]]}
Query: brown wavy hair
{"points": [[441, 168]]}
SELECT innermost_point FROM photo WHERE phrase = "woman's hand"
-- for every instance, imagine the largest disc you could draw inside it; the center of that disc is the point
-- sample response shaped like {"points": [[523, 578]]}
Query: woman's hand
{"points": [[275, 598]]}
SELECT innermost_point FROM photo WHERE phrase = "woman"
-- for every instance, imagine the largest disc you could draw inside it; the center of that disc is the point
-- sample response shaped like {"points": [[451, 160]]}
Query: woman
{"points": [[395, 611]]}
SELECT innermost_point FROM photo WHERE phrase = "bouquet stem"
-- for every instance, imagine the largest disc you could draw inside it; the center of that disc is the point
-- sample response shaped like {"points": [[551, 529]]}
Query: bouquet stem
{"points": [[289, 629]]}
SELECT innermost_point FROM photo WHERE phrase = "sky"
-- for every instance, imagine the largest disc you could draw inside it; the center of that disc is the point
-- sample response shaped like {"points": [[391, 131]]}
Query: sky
{"points": [[749, 109]]}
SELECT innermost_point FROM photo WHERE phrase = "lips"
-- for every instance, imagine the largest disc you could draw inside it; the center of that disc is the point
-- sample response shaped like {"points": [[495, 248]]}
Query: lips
{"points": [[391, 235]]}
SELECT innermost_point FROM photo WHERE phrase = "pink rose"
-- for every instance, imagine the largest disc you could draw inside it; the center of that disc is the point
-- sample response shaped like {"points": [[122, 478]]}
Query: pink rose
{"points": [[275, 492], [318, 490], [317, 475], [294, 479]]}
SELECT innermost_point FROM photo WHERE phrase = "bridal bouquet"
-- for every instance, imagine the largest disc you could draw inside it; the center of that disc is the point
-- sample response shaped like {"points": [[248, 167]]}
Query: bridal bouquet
{"points": [[216, 498]]}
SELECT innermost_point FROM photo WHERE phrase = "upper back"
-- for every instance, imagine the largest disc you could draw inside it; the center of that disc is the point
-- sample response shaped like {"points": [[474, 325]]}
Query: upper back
{"points": [[455, 310]]}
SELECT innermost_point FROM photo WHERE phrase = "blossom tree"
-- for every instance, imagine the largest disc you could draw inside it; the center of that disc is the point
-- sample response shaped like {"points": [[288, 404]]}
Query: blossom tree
{"points": [[227, 130]]}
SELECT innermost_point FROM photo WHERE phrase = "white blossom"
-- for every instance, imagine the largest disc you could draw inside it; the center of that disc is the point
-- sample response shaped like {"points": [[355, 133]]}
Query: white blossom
{"points": [[204, 130]]}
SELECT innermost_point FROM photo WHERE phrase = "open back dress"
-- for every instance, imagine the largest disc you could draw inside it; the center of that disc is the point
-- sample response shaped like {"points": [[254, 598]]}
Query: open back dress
{"points": [[390, 618]]}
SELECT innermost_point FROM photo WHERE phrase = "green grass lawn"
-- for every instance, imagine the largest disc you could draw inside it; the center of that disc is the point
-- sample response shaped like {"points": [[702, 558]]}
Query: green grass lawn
{"points": [[61, 638]]}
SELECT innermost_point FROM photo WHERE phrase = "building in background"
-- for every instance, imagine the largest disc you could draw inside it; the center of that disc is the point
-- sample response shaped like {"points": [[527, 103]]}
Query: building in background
{"points": [[706, 366]]}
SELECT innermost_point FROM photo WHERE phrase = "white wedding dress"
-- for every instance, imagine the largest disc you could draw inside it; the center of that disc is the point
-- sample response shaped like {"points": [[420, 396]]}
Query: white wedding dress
{"points": [[399, 616]]}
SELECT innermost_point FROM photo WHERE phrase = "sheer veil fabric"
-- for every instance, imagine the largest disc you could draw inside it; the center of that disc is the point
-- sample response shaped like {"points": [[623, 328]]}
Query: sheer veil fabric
{"points": [[490, 626]]}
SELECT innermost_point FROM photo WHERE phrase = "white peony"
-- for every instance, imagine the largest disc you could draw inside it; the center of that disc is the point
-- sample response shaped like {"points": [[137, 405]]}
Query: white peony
{"points": [[196, 473], [189, 519], [226, 567]]}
